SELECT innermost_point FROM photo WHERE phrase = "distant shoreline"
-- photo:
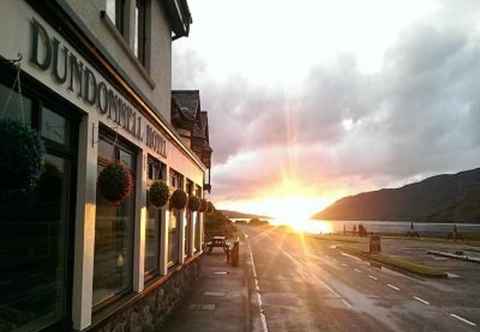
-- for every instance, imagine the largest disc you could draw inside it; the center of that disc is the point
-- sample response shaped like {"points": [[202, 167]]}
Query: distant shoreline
{"points": [[398, 220]]}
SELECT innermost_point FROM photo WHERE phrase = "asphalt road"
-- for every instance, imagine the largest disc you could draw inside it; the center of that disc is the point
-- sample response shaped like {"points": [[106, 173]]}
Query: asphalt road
{"points": [[310, 285]]}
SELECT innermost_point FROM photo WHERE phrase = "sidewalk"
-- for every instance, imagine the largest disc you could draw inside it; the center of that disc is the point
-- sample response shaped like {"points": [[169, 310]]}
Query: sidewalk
{"points": [[220, 299]]}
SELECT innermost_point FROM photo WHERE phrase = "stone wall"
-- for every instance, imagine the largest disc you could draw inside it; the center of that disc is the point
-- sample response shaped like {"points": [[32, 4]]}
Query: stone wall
{"points": [[148, 313]]}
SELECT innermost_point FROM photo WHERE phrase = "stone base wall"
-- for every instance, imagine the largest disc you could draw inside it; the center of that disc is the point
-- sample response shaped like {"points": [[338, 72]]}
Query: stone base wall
{"points": [[149, 312]]}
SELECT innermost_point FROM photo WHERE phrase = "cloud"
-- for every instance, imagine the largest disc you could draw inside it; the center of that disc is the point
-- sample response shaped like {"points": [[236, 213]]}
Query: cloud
{"points": [[344, 129]]}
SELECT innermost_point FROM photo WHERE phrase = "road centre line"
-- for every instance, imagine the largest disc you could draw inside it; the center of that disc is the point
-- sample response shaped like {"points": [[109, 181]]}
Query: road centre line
{"points": [[421, 300], [372, 277], [393, 287], [466, 321]]}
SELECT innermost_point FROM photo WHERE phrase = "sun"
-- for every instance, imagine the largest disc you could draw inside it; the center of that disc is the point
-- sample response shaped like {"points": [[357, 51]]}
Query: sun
{"points": [[289, 203]]}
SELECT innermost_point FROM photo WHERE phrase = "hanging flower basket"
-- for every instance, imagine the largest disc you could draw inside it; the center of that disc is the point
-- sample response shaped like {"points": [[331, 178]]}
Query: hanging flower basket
{"points": [[178, 199], [193, 203], [21, 156], [210, 207], [203, 205], [115, 182], [159, 194]]}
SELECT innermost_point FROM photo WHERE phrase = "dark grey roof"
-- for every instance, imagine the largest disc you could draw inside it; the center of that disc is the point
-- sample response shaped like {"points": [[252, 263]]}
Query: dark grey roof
{"points": [[200, 129], [186, 114], [179, 17], [188, 102], [185, 108]]}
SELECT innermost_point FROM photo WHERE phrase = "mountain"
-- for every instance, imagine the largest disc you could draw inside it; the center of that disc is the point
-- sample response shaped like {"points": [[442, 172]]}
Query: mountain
{"points": [[446, 197], [235, 214]]}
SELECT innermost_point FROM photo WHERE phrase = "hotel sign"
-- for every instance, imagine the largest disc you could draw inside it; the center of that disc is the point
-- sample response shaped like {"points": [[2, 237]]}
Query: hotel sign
{"points": [[49, 54]]}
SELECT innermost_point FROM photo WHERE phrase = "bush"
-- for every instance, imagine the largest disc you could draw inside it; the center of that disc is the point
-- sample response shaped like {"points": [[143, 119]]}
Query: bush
{"points": [[257, 222], [216, 223]]}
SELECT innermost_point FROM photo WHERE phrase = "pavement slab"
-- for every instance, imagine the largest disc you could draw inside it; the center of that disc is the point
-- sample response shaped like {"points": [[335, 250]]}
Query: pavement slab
{"points": [[219, 301]]}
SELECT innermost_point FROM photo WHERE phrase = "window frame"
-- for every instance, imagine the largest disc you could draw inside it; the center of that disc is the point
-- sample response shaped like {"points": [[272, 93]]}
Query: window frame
{"points": [[160, 175], [197, 231], [120, 19], [190, 190], [139, 39], [119, 144], [175, 181]]}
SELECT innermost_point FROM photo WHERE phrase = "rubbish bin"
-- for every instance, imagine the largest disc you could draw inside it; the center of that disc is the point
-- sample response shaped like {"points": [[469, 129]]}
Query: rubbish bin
{"points": [[235, 253], [375, 244]]}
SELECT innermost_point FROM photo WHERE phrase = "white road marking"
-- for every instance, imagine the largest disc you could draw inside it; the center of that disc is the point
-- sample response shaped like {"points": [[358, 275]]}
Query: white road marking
{"points": [[263, 318], [343, 264], [351, 256], [372, 277], [357, 270], [347, 304], [452, 275], [466, 321], [219, 294], [393, 287], [320, 281], [421, 300]]}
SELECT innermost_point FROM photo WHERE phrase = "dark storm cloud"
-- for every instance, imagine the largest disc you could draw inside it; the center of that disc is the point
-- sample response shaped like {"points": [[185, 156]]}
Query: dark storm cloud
{"points": [[419, 115]]}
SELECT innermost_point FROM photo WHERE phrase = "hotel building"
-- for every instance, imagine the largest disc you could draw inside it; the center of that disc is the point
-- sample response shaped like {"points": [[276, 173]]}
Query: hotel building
{"points": [[95, 83]]}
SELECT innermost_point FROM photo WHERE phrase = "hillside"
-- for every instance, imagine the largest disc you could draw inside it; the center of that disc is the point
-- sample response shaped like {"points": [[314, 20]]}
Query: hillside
{"points": [[235, 214], [447, 197]]}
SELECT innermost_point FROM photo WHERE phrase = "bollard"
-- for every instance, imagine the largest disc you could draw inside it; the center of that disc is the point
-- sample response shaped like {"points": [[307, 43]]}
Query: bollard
{"points": [[235, 253], [375, 244]]}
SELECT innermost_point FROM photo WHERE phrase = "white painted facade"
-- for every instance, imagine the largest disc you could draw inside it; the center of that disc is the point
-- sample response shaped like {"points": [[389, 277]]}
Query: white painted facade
{"points": [[16, 37]]}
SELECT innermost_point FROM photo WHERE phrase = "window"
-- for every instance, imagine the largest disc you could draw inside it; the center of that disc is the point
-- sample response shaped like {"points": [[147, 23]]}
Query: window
{"points": [[54, 127], [114, 225], [189, 221], [116, 12], [198, 193], [35, 269], [176, 181], [140, 30], [156, 171]]}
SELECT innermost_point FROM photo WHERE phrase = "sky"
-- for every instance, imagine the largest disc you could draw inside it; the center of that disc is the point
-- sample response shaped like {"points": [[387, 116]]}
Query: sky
{"points": [[312, 100]]}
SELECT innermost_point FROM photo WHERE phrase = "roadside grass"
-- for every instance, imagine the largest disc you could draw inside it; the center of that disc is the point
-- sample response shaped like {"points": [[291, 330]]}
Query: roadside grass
{"points": [[322, 237], [338, 238], [408, 265], [471, 240], [398, 263]]}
